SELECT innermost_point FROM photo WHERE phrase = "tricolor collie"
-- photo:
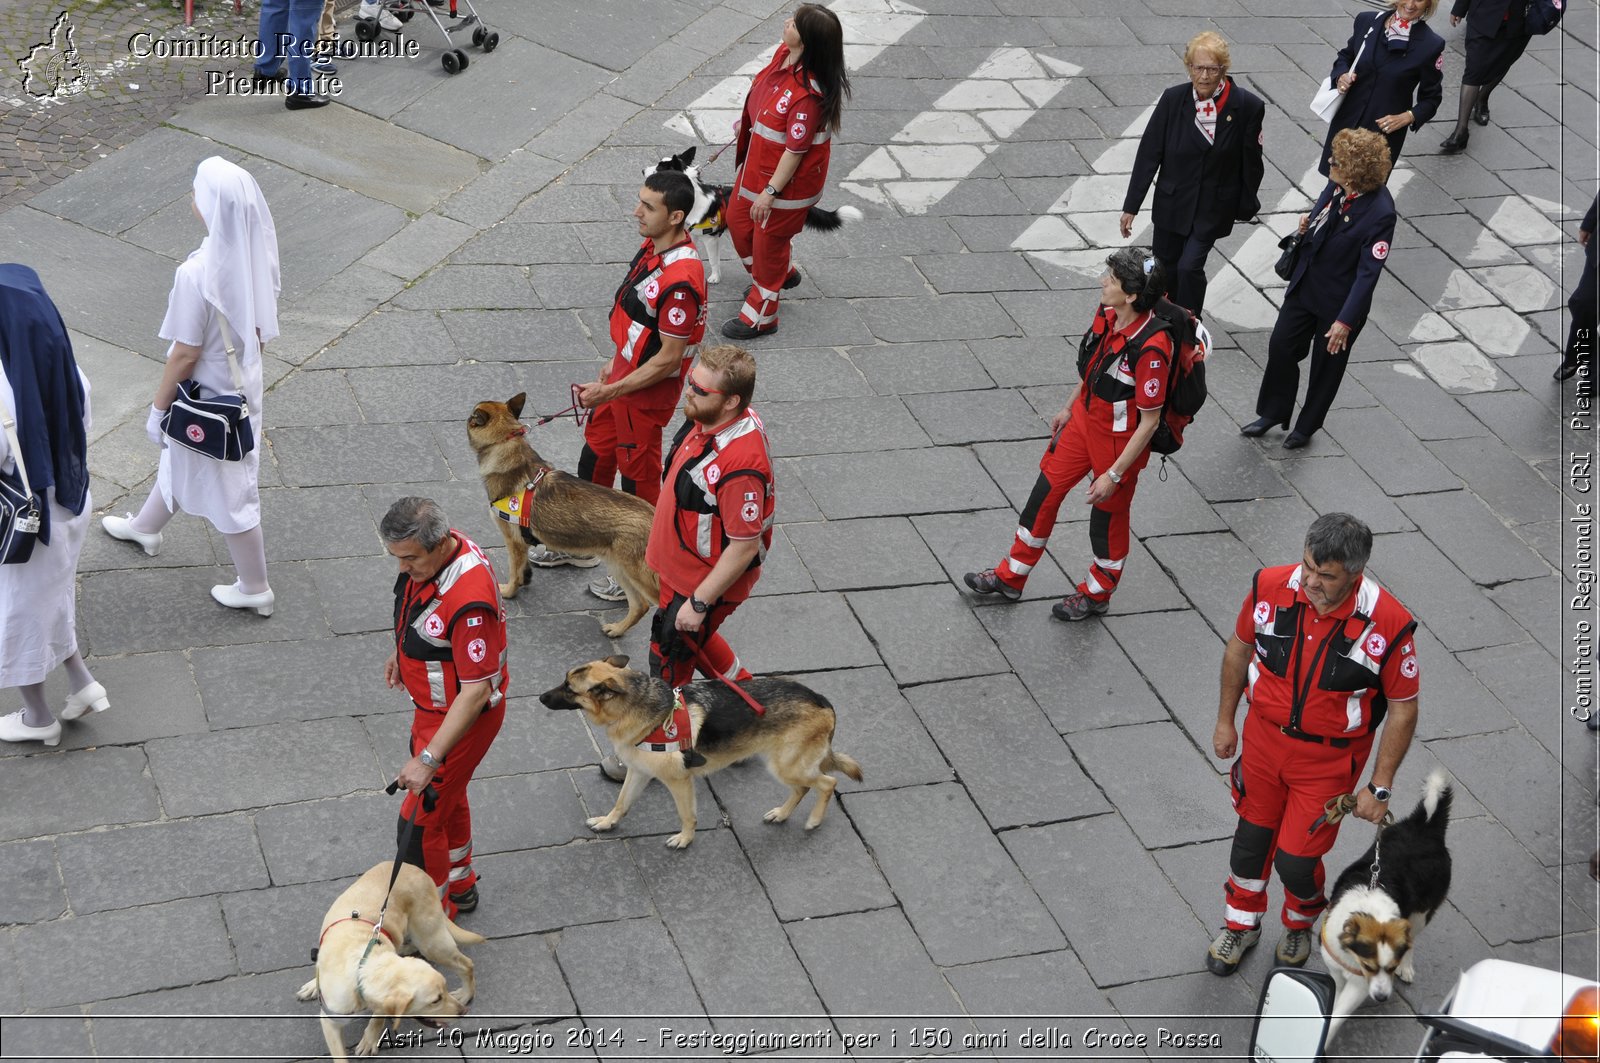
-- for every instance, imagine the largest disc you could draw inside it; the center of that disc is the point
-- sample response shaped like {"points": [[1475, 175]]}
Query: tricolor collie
{"points": [[705, 220], [1370, 933]]}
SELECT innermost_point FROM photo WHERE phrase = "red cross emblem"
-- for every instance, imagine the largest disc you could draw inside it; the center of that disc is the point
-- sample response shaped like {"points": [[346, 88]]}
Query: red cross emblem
{"points": [[1208, 110], [195, 433]]}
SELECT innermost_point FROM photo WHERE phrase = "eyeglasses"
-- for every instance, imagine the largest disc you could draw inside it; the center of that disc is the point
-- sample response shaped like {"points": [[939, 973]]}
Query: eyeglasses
{"points": [[703, 392], [1333, 161], [1208, 71]]}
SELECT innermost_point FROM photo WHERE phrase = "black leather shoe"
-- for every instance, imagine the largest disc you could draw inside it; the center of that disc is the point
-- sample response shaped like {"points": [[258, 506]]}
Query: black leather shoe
{"points": [[1565, 370], [735, 329], [1480, 113], [259, 80], [1258, 427], [792, 280], [1454, 144], [302, 101], [1295, 440]]}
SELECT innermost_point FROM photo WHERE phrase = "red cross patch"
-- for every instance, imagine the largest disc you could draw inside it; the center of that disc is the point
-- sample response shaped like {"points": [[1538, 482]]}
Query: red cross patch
{"points": [[477, 649], [713, 474], [195, 433], [1380, 250], [1263, 612], [1152, 386], [651, 289], [676, 315], [797, 131], [1438, 64], [434, 625], [1261, 138], [750, 512], [1408, 668], [1375, 645]]}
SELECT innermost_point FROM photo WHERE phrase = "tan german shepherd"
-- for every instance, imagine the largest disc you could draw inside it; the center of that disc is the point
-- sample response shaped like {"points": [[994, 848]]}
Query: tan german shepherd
{"points": [[566, 513], [794, 737]]}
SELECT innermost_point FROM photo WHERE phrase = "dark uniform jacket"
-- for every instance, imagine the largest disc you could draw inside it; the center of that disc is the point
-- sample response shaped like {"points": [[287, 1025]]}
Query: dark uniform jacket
{"points": [[1485, 16], [1339, 271], [1202, 187], [1387, 82]]}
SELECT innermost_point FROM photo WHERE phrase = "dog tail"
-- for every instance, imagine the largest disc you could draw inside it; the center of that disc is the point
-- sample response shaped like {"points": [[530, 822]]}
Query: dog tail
{"points": [[464, 937], [1435, 805], [829, 220], [841, 762]]}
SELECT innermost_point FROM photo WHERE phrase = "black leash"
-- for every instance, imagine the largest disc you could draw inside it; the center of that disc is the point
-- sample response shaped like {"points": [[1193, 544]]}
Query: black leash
{"points": [[430, 798]]}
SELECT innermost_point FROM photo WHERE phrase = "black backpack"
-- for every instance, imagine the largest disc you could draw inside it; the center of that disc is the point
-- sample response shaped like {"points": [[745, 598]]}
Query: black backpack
{"points": [[1186, 387]]}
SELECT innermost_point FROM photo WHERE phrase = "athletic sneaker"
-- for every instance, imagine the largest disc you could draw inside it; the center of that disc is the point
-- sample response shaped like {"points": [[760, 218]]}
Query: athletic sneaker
{"points": [[608, 590], [1223, 957], [986, 582], [545, 557], [1078, 606], [1294, 948], [466, 900], [385, 17]]}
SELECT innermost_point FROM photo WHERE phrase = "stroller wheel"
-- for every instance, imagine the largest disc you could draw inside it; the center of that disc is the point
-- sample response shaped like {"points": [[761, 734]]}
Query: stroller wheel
{"points": [[491, 42], [366, 30], [404, 14], [450, 63], [461, 57], [478, 35]]}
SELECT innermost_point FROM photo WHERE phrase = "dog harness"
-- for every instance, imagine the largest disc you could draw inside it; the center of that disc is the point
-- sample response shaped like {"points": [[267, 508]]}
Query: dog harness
{"points": [[377, 928], [676, 731], [517, 508]]}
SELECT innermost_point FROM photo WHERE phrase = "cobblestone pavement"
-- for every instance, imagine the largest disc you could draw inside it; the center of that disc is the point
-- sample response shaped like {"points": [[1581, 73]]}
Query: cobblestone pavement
{"points": [[1040, 840]]}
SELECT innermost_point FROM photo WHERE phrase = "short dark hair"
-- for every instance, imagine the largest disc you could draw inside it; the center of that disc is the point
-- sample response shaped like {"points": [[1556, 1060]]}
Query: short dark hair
{"points": [[1342, 538], [1140, 275], [414, 517], [677, 191]]}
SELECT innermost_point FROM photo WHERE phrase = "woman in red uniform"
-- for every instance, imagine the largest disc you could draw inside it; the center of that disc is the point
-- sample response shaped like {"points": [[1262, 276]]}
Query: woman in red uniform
{"points": [[789, 116]]}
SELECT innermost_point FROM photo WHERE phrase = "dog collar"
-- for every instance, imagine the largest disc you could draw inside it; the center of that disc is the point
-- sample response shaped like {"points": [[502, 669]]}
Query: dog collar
{"points": [[671, 736], [520, 430], [1331, 954]]}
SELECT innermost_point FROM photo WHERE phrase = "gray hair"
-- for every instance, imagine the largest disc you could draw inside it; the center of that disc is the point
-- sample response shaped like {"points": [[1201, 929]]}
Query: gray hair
{"points": [[1342, 538], [416, 518]]}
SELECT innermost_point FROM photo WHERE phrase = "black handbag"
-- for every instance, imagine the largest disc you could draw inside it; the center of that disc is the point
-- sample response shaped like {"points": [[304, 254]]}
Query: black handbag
{"points": [[217, 425], [1291, 246], [1542, 16], [21, 511]]}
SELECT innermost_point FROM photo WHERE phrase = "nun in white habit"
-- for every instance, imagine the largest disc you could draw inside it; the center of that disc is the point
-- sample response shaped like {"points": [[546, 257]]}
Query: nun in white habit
{"points": [[233, 277]]}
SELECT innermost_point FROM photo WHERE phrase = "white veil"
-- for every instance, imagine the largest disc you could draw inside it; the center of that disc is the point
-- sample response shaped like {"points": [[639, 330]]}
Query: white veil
{"points": [[240, 252]]}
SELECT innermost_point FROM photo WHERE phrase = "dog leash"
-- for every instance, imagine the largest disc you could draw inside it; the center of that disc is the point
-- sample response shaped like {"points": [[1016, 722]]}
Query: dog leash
{"points": [[720, 150], [580, 412], [710, 669], [1339, 807], [430, 798]]}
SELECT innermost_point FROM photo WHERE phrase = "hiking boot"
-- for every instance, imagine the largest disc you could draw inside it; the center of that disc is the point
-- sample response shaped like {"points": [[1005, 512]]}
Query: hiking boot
{"points": [[1223, 957], [545, 557], [607, 590], [1079, 606], [612, 768], [466, 900], [1294, 948], [986, 582]]}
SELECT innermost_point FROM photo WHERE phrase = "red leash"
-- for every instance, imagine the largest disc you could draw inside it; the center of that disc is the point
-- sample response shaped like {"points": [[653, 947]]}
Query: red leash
{"points": [[719, 152], [580, 413], [710, 669]]}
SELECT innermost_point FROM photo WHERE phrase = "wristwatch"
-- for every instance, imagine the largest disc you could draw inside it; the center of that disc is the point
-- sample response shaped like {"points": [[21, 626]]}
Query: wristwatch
{"points": [[430, 760], [769, 190], [697, 605], [1380, 792], [1116, 477]]}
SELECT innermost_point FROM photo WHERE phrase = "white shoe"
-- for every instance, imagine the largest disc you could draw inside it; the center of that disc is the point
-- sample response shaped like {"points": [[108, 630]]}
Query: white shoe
{"points": [[91, 698], [12, 729], [607, 590], [385, 17], [230, 595], [122, 528], [545, 557]]}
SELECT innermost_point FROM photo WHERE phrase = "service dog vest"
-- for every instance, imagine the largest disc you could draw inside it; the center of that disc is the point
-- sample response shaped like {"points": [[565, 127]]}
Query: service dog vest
{"points": [[636, 328], [697, 464], [424, 616], [676, 731], [517, 508], [1333, 686]]}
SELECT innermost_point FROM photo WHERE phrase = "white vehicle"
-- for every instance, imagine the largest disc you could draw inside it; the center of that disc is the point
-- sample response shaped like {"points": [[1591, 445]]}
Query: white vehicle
{"points": [[1497, 1010]]}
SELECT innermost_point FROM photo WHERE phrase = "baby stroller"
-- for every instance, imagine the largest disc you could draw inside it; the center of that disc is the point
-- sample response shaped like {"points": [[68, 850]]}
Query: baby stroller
{"points": [[454, 59]]}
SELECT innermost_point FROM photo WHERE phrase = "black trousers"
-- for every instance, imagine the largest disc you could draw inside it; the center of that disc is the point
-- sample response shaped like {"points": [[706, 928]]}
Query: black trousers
{"points": [[1299, 332], [1580, 338], [1184, 258]]}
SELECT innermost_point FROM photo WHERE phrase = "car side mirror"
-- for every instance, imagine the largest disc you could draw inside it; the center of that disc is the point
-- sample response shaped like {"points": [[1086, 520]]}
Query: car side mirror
{"points": [[1292, 1017]]}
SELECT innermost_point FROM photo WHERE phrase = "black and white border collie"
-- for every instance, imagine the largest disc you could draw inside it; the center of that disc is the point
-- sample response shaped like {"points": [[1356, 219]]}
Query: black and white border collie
{"points": [[705, 220], [1370, 933]]}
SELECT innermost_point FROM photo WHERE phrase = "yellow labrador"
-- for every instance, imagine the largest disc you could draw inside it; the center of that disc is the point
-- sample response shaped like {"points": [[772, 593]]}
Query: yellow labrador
{"points": [[357, 973]]}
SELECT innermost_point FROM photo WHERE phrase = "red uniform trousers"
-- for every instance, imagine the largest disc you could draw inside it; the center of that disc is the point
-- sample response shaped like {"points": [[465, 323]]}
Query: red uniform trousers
{"points": [[1280, 787], [623, 437], [443, 838], [764, 250], [1079, 449], [716, 649]]}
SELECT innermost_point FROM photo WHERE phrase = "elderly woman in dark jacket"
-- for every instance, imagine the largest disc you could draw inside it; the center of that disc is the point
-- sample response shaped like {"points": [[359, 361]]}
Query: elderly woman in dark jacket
{"points": [[1347, 237], [1398, 82]]}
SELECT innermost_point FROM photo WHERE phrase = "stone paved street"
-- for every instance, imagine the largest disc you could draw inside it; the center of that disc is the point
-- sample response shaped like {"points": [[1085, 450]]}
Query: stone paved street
{"points": [[1042, 834]]}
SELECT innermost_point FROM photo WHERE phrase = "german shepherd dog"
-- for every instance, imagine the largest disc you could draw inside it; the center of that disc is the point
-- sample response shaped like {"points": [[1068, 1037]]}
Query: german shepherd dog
{"points": [[794, 736], [564, 512], [705, 222]]}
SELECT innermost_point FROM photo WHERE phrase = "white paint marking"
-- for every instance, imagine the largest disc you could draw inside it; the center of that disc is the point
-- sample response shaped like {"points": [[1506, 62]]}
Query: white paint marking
{"points": [[926, 159], [1457, 366]]}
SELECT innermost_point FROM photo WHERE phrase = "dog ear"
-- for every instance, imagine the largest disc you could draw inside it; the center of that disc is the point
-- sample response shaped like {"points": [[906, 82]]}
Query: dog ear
{"points": [[516, 403], [617, 660], [688, 156]]}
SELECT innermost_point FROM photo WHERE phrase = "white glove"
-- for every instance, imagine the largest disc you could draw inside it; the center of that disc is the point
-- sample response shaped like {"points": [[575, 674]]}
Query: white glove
{"points": [[152, 426]]}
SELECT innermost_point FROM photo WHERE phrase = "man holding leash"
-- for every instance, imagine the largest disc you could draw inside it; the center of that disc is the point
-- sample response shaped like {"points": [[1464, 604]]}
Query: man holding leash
{"points": [[658, 315], [450, 655], [1323, 654], [714, 522]]}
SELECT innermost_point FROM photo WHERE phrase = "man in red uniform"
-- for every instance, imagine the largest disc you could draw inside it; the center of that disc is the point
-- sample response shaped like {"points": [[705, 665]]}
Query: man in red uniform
{"points": [[1323, 655], [450, 655], [1103, 432], [713, 523]]}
